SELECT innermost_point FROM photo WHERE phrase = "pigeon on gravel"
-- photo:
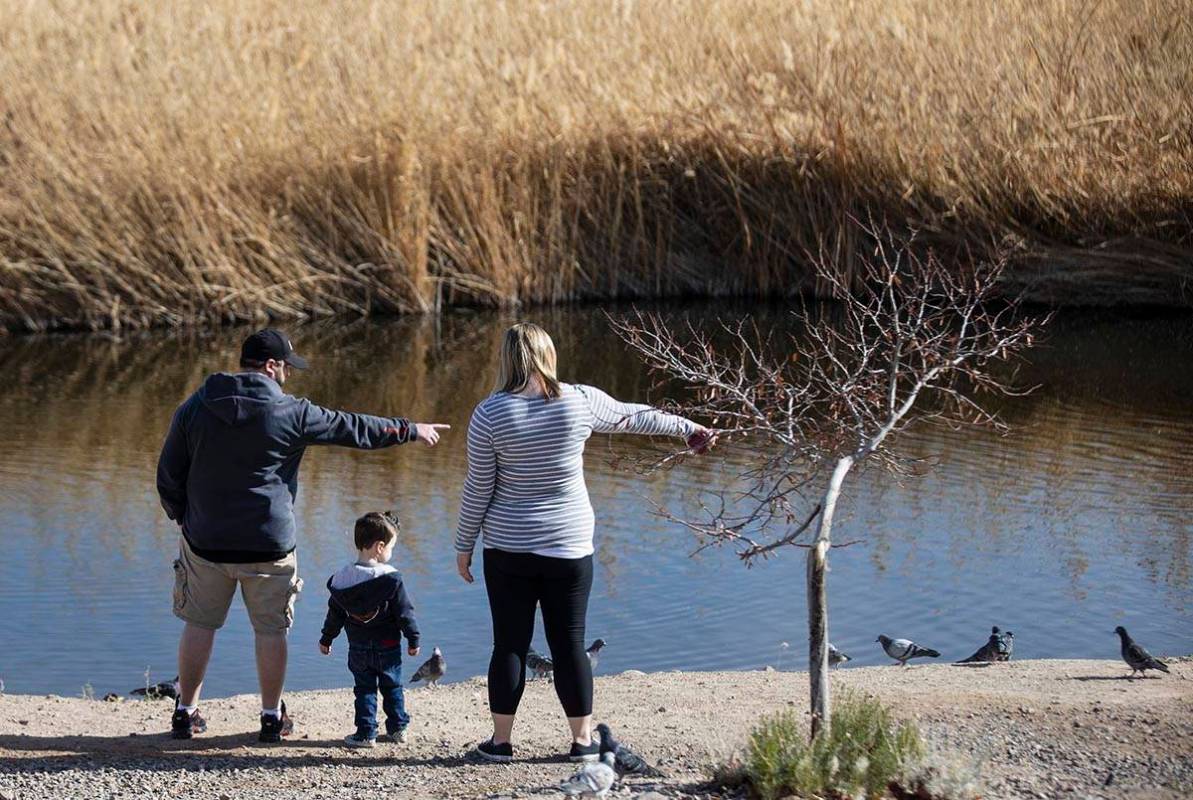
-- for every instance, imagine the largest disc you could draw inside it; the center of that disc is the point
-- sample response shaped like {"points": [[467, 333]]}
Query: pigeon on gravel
{"points": [[1006, 646], [593, 651], [903, 650], [160, 691], [836, 657], [625, 760], [989, 651], [1138, 659], [593, 780], [432, 670], [539, 664]]}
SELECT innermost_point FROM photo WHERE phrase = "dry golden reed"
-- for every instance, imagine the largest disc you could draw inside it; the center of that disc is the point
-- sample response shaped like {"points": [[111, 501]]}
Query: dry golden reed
{"points": [[220, 160]]}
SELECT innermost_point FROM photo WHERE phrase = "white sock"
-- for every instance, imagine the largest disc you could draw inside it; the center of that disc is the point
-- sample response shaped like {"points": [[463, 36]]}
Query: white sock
{"points": [[276, 713], [187, 709]]}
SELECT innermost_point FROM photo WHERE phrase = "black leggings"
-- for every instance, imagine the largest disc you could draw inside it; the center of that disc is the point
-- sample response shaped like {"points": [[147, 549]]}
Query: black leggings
{"points": [[517, 583]]}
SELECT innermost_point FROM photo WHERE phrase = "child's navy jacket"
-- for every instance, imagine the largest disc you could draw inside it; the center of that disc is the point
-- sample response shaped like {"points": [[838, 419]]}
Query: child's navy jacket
{"points": [[375, 612]]}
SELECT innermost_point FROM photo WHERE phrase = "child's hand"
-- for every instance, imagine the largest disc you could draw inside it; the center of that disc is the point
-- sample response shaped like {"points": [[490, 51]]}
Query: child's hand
{"points": [[325, 649], [413, 651]]}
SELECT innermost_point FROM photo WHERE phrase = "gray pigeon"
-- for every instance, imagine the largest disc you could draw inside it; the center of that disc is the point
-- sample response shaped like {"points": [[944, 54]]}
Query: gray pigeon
{"points": [[1138, 659], [836, 657], [593, 651], [625, 760], [539, 664], [1006, 646], [432, 670], [903, 650], [989, 651], [593, 780]]}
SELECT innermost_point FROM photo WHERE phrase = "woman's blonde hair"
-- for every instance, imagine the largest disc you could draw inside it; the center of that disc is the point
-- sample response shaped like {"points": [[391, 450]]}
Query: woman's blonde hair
{"points": [[527, 350]]}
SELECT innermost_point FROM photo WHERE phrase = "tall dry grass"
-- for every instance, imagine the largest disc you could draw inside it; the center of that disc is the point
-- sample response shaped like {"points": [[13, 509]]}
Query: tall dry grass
{"points": [[228, 160]]}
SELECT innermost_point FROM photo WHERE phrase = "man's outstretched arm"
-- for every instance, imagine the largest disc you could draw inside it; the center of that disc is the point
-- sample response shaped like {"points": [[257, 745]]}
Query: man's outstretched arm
{"points": [[364, 431]]}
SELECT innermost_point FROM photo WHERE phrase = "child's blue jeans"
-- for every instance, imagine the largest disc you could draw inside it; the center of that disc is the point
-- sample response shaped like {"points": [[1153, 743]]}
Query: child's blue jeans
{"points": [[377, 668]]}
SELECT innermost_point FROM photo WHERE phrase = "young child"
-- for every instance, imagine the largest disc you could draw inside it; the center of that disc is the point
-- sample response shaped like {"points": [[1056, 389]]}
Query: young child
{"points": [[368, 598]]}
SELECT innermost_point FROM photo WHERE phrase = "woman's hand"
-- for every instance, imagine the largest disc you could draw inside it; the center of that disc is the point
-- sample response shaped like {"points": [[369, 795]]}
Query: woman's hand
{"points": [[464, 566], [413, 651], [701, 440], [325, 649], [428, 432]]}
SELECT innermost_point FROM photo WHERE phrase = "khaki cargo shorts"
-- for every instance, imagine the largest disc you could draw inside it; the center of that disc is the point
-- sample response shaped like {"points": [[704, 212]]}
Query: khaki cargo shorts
{"points": [[203, 590]]}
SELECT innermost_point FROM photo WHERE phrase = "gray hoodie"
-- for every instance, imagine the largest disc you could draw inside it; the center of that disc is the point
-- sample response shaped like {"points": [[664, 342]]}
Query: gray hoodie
{"points": [[228, 471]]}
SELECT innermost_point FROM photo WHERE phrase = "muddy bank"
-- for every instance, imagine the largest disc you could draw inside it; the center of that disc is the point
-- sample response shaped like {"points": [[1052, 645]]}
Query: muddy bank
{"points": [[1032, 729]]}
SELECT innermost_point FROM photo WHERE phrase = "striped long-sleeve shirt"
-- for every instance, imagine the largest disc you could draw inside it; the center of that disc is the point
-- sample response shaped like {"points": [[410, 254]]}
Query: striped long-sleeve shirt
{"points": [[525, 487]]}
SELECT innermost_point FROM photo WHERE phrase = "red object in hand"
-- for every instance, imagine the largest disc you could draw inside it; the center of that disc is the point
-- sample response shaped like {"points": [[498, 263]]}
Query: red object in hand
{"points": [[701, 440]]}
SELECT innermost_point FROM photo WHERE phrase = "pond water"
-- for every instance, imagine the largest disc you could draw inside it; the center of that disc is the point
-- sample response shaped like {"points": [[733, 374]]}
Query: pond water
{"points": [[1077, 521]]}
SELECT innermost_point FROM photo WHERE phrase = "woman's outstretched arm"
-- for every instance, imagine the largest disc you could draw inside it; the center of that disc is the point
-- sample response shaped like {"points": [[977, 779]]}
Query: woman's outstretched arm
{"points": [[614, 416], [478, 486]]}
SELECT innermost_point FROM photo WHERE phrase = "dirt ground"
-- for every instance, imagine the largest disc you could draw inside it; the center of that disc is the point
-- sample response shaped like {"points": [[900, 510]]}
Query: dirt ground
{"points": [[1048, 729]]}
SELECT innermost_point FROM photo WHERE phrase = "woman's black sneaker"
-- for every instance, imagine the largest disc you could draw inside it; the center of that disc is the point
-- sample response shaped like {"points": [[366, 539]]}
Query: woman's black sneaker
{"points": [[501, 753], [274, 728], [585, 752], [184, 725]]}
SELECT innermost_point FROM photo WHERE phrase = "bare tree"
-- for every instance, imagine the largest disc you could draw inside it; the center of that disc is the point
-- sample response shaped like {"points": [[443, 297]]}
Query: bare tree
{"points": [[908, 339]]}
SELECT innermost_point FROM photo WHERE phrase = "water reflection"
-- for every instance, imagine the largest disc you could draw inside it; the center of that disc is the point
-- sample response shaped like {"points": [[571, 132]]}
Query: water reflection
{"points": [[1079, 517]]}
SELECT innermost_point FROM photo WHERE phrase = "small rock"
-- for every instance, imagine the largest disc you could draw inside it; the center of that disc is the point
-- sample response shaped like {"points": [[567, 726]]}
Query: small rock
{"points": [[662, 710]]}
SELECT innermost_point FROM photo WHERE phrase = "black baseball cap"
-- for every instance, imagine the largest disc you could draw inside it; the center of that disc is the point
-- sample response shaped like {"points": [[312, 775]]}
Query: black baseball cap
{"points": [[270, 343]]}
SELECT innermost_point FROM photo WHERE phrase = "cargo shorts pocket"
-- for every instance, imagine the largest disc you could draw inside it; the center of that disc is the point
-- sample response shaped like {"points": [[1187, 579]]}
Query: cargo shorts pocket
{"points": [[291, 596], [179, 585]]}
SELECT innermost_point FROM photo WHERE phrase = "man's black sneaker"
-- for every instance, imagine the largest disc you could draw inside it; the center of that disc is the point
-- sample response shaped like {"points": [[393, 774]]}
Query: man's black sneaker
{"points": [[184, 725], [501, 753], [274, 728], [585, 752]]}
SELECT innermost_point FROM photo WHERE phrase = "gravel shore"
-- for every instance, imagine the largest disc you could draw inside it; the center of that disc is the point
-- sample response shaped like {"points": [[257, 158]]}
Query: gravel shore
{"points": [[1047, 729]]}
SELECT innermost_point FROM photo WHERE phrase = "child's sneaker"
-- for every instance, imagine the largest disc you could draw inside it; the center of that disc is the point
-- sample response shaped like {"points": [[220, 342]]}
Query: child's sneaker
{"points": [[501, 753], [184, 725], [398, 737], [358, 740]]}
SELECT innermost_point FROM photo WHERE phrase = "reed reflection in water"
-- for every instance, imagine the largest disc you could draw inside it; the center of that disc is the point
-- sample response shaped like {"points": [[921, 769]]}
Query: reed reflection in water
{"points": [[1075, 522]]}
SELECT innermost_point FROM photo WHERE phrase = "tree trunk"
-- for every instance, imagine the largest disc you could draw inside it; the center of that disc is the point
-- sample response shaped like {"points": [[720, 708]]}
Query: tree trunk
{"points": [[818, 603]]}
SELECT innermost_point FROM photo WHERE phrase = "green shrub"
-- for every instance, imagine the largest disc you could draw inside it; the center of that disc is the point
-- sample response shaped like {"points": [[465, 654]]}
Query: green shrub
{"points": [[864, 752]]}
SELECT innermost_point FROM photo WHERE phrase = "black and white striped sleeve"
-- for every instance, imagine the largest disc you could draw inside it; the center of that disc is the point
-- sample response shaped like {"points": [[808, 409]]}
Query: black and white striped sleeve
{"points": [[614, 416], [479, 484]]}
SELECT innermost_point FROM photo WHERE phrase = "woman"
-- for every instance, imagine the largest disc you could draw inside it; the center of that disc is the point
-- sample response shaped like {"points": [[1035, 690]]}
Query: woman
{"points": [[525, 491]]}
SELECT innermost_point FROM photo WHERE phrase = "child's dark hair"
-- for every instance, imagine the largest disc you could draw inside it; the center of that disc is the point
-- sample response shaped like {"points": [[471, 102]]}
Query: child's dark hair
{"points": [[376, 526]]}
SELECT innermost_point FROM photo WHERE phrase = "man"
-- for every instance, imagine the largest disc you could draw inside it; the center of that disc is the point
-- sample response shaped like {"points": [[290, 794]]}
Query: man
{"points": [[228, 475]]}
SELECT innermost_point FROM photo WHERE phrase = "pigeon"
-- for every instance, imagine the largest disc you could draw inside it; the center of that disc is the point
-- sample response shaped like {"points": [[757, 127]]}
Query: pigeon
{"points": [[542, 666], [836, 657], [593, 780], [990, 651], [1138, 659], [160, 691], [432, 669], [1006, 645], [625, 760], [593, 651], [903, 650]]}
